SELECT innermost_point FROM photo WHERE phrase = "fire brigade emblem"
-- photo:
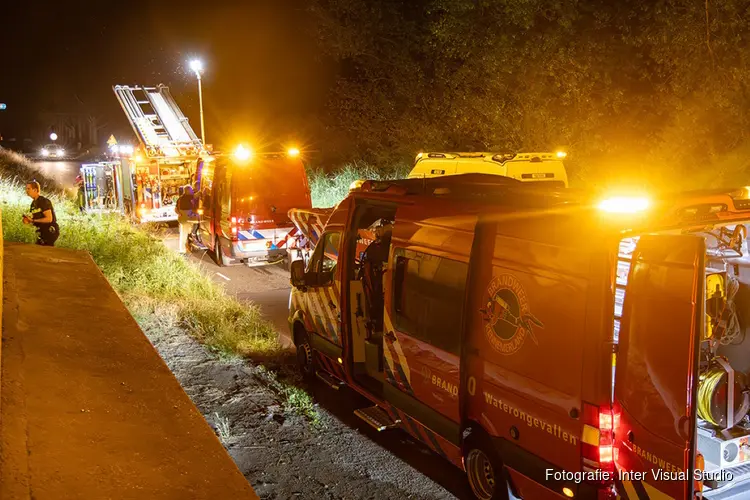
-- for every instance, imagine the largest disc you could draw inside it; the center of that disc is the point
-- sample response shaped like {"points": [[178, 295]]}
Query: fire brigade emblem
{"points": [[506, 315]]}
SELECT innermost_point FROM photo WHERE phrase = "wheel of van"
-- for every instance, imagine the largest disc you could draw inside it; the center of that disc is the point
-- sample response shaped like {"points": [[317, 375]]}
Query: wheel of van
{"points": [[305, 359], [219, 257], [484, 471]]}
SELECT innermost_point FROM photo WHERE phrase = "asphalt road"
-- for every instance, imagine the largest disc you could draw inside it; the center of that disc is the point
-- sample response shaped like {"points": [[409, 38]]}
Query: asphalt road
{"points": [[267, 287], [64, 172]]}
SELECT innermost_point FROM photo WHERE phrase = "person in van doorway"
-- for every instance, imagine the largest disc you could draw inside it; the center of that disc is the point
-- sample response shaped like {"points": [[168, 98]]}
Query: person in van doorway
{"points": [[184, 209], [42, 216], [373, 261]]}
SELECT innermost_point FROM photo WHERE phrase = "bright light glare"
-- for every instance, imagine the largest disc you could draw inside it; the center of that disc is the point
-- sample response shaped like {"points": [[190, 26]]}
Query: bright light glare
{"points": [[624, 205], [293, 152], [45, 152], [242, 153], [196, 65], [60, 152], [53, 136], [562, 154]]}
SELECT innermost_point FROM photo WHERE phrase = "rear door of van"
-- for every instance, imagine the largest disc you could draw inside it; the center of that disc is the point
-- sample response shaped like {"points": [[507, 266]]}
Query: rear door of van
{"points": [[656, 373]]}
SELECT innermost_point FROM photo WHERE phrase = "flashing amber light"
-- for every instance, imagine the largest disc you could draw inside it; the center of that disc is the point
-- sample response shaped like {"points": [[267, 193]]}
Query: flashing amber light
{"points": [[242, 153], [341, 361], [143, 205], [568, 492], [200, 211], [293, 152], [138, 158], [624, 205], [234, 220], [562, 154], [356, 185]]}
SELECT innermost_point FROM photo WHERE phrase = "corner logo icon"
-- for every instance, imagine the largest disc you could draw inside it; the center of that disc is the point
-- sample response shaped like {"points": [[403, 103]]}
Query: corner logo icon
{"points": [[507, 316]]}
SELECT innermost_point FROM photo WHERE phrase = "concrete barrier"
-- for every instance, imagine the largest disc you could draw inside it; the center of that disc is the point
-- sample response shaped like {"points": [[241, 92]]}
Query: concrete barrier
{"points": [[89, 408]]}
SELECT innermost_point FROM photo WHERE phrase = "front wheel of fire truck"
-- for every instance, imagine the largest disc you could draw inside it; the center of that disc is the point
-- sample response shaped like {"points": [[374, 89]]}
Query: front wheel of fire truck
{"points": [[484, 470]]}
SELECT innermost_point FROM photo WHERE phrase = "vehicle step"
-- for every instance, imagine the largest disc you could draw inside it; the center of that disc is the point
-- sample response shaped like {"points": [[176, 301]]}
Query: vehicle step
{"points": [[377, 418], [330, 380]]}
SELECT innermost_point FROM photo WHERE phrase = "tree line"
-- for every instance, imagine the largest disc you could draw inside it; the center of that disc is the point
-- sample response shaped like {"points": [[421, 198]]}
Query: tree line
{"points": [[636, 91]]}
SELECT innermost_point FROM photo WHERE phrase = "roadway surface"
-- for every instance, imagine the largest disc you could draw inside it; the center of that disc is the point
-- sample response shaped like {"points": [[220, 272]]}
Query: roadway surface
{"points": [[64, 172]]}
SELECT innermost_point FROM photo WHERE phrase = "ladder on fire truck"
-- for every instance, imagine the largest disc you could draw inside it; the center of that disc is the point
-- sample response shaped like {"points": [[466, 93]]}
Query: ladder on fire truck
{"points": [[158, 122]]}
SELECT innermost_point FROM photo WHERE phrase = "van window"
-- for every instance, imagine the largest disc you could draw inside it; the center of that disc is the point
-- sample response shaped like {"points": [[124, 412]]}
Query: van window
{"points": [[325, 257], [226, 194], [429, 298]]}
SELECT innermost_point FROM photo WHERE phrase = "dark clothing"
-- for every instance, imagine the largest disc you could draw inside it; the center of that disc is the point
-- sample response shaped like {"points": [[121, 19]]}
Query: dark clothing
{"points": [[185, 202], [47, 232], [375, 256]]}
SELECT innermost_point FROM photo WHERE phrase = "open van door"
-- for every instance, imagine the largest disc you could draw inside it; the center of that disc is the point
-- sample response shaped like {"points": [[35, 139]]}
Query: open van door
{"points": [[657, 368]]}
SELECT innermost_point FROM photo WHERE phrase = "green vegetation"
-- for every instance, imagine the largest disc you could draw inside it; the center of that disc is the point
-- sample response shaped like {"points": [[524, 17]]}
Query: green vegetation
{"points": [[162, 290], [328, 189], [646, 92]]}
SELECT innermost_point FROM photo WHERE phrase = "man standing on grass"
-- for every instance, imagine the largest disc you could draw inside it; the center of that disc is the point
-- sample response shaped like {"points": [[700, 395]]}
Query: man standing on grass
{"points": [[42, 216], [184, 209]]}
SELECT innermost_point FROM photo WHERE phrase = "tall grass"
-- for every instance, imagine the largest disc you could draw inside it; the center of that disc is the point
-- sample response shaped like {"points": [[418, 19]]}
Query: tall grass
{"points": [[150, 279], [329, 188]]}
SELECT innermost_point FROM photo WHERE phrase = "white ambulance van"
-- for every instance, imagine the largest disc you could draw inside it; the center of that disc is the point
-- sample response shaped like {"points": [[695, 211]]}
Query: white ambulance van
{"points": [[525, 167]]}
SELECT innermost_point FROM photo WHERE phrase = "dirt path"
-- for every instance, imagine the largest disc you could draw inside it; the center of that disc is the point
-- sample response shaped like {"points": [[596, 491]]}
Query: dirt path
{"points": [[284, 455]]}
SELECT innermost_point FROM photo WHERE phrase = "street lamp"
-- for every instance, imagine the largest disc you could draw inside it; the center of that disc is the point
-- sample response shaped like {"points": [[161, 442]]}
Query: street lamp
{"points": [[197, 66], [53, 136]]}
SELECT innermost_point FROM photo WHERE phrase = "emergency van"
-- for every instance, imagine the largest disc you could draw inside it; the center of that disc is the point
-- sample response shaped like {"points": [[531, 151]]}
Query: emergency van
{"points": [[547, 168], [548, 343], [245, 198]]}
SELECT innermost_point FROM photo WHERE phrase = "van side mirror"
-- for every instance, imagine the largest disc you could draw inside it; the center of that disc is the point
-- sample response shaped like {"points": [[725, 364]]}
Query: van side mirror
{"points": [[297, 269]]}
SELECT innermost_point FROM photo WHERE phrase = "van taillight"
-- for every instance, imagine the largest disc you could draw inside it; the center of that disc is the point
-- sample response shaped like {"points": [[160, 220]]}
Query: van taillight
{"points": [[233, 228], [597, 445]]}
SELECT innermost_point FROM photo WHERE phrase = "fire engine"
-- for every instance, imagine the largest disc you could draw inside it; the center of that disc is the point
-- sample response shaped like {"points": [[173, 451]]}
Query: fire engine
{"points": [[551, 344], [149, 178]]}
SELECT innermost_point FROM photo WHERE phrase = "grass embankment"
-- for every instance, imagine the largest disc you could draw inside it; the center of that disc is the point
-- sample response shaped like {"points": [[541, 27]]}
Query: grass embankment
{"points": [[161, 289], [328, 189]]}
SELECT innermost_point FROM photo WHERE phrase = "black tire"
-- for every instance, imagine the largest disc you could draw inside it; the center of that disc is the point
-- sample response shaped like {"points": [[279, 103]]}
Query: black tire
{"points": [[219, 258], [305, 358], [484, 469]]}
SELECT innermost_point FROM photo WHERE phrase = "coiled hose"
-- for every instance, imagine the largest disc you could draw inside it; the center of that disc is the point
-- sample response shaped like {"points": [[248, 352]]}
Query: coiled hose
{"points": [[708, 385]]}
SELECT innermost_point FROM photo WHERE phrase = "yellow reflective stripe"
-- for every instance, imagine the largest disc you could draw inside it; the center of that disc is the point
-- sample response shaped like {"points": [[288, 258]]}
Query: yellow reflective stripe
{"points": [[590, 435], [630, 490]]}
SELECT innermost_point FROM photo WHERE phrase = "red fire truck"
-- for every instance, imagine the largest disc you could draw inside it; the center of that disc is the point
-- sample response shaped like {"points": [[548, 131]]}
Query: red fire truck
{"points": [[549, 344]]}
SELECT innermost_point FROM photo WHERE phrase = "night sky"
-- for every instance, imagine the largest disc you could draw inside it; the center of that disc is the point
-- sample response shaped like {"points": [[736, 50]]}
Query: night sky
{"points": [[263, 79]]}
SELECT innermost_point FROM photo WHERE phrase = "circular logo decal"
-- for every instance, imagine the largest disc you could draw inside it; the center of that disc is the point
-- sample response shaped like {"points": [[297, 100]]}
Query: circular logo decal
{"points": [[507, 318]]}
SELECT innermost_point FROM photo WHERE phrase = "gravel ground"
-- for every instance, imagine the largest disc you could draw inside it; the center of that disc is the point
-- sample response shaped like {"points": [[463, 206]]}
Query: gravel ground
{"points": [[286, 456]]}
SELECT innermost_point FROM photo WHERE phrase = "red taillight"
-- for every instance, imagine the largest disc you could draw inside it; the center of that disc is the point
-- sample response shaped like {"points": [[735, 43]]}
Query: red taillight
{"points": [[598, 452], [233, 228]]}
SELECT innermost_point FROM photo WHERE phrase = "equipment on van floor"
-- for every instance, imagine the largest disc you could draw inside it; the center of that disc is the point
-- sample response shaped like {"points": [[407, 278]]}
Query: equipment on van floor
{"points": [[504, 309]]}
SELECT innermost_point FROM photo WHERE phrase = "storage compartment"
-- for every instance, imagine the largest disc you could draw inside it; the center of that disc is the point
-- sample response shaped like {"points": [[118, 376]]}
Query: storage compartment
{"points": [[723, 394]]}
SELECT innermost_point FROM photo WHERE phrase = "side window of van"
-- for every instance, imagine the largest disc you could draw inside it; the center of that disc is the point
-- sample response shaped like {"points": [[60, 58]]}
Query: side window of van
{"points": [[428, 298], [226, 194], [325, 257]]}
